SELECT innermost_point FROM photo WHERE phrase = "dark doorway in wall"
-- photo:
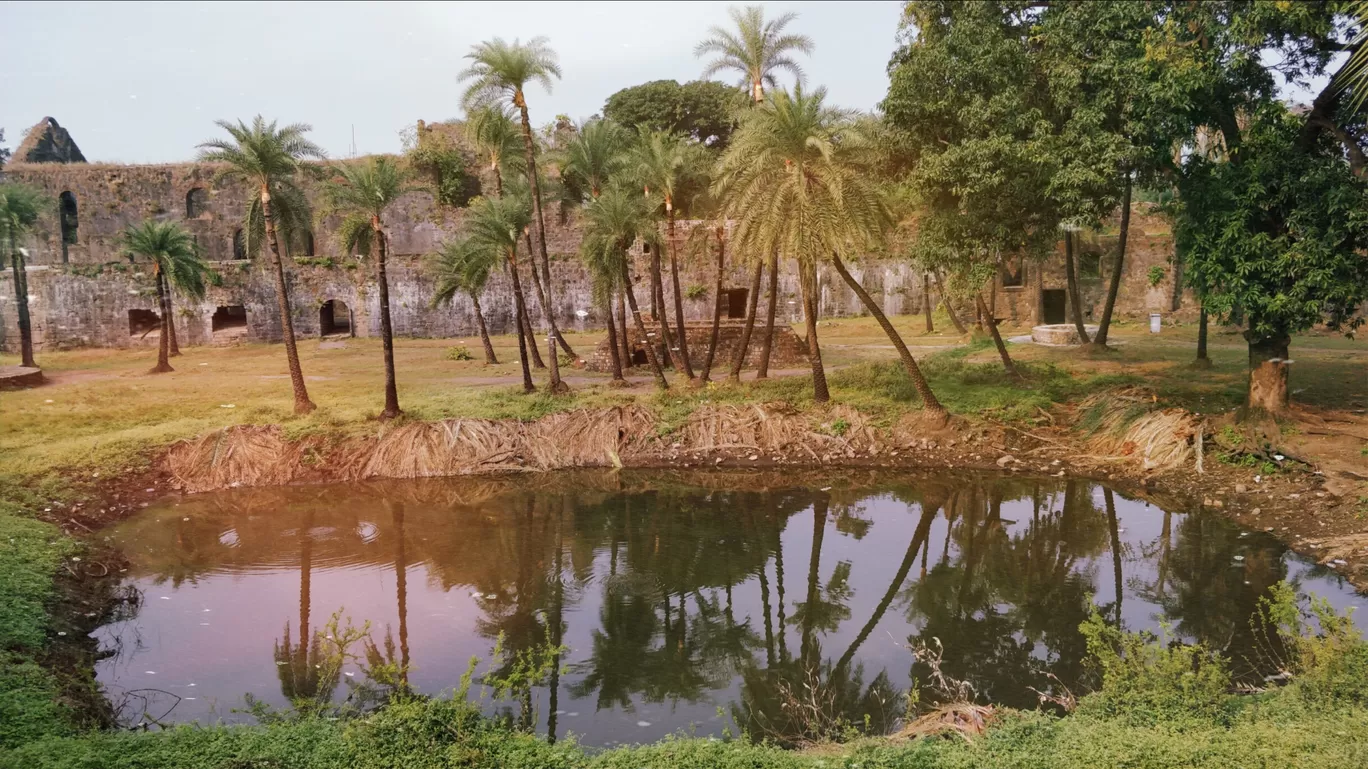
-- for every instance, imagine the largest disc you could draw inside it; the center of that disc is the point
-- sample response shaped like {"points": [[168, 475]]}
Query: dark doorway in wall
{"points": [[334, 318], [68, 219], [239, 245], [639, 357], [1054, 301], [308, 244], [143, 322], [735, 299], [228, 317], [196, 203]]}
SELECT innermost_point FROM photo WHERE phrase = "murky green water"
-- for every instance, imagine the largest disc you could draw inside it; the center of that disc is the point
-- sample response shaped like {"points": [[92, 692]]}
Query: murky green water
{"points": [[682, 601]]}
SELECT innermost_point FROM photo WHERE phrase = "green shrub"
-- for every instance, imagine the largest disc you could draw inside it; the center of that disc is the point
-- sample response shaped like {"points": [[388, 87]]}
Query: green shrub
{"points": [[1322, 649], [460, 352]]}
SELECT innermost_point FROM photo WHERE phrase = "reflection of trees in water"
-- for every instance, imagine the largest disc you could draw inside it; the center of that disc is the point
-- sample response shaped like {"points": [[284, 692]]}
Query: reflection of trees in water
{"points": [[1005, 597]]}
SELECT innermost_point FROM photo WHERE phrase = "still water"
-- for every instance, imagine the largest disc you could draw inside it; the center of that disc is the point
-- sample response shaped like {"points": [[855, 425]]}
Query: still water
{"points": [[683, 602]]}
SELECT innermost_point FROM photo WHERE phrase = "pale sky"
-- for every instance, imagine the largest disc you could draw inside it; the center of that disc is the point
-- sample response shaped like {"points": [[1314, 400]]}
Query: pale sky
{"points": [[142, 82]]}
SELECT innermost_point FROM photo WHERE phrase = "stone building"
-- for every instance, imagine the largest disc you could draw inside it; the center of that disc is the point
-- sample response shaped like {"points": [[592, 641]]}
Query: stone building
{"points": [[84, 292]]}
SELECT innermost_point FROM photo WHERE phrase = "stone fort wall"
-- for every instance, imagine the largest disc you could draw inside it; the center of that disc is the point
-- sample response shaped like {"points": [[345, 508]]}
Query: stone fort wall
{"points": [[84, 292]]}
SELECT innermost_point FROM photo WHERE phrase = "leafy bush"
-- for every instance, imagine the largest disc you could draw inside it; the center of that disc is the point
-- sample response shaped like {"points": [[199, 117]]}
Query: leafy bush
{"points": [[460, 352], [1155, 275], [1323, 651]]}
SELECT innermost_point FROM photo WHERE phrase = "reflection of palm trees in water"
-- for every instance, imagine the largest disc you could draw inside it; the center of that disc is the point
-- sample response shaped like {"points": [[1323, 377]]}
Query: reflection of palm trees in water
{"points": [[303, 678]]}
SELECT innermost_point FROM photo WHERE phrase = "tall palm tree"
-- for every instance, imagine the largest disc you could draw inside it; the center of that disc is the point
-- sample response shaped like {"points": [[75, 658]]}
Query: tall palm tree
{"points": [[595, 155], [499, 71], [497, 224], [791, 184], [756, 49], [266, 157], [612, 223], [20, 208], [176, 263], [659, 161], [363, 192], [464, 266]]}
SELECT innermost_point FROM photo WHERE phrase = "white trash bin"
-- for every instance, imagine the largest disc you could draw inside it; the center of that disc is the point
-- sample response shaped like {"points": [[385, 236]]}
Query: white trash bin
{"points": [[1156, 323]]}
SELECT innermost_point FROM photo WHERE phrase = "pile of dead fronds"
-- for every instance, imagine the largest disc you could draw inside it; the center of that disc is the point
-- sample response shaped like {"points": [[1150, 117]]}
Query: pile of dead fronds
{"points": [[235, 456], [951, 709], [777, 428], [1126, 425]]}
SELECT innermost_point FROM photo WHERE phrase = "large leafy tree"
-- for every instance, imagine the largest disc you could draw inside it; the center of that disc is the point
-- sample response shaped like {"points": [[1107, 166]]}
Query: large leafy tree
{"points": [[793, 183], [267, 158], [703, 110], [499, 73], [363, 192], [176, 263], [612, 223], [755, 49], [21, 207]]}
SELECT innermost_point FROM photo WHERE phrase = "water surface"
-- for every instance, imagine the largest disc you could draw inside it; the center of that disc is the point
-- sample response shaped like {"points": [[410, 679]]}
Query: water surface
{"points": [[684, 602]]}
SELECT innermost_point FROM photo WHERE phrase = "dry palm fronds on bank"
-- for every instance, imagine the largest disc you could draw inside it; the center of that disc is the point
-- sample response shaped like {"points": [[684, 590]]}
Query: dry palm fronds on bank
{"points": [[235, 456], [1125, 425]]}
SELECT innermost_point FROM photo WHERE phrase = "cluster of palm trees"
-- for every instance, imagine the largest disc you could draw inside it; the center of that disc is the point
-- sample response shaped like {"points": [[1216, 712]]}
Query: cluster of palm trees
{"points": [[799, 179]]}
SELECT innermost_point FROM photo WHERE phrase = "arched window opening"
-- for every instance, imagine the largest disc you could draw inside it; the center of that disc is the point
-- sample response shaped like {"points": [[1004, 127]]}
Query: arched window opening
{"points": [[334, 318], [196, 203], [308, 243], [239, 245], [69, 218]]}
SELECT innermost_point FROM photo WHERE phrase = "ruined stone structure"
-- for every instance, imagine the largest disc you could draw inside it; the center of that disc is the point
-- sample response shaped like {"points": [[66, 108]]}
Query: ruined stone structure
{"points": [[84, 292]]}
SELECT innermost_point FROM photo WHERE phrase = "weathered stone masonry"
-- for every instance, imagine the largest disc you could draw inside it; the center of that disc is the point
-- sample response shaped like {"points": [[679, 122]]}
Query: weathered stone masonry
{"points": [[83, 289]]}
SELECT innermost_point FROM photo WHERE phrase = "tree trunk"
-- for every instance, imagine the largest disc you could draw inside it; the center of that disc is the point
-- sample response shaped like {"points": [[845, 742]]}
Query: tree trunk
{"points": [[678, 296], [997, 340], [1202, 360], [528, 328], [386, 326], [555, 385], [641, 329], [929, 401], [302, 404], [624, 339], [163, 339], [949, 308], [659, 314], [717, 305], [173, 348], [926, 302], [767, 341], [752, 302], [1268, 373], [820, 394], [525, 339], [544, 297], [21, 302], [490, 358], [1039, 318], [1118, 577], [1075, 303], [1115, 285], [613, 341], [819, 518]]}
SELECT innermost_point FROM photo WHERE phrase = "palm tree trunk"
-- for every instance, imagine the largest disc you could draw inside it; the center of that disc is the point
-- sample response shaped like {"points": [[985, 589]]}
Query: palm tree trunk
{"points": [[624, 338], [949, 308], [641, 329], [929, 401], [172, 346], [386, 326], [401, 591], [613, 340], [753, 302], [767, 341], [678, 298], [302, 404], [484, 331], [163, 339], [1075, 304], [819, 516], [926, 302], [1114, 530], [997, 339], [659, 314], [21, 302], [555, 385], [526, 321], [544, 297], [520, 309], [820, 394], [1114, 286], [717, 306]]}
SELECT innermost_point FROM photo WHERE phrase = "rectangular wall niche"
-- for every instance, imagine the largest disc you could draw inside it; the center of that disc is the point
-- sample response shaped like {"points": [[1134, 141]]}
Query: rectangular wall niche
{"points": [[735, 299], [141, 323], [228, 317]]}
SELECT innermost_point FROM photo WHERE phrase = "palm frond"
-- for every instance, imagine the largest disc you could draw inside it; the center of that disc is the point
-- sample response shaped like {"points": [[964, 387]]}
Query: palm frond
{"points": [[172, 250]]}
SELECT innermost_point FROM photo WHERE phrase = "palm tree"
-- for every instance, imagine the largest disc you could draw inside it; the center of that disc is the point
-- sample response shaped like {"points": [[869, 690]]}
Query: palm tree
{"points": [[500, 71], [492, 132], [793, 181], [266, 158], [612, 223], [465, 266], [660, 163], [756, 49], [176, 264], [497, 224], [595, 155], [363, 192], [20, 208]]}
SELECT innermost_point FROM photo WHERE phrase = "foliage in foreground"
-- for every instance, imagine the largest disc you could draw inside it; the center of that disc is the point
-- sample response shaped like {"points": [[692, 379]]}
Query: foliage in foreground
{"points": [[1160, 705]]}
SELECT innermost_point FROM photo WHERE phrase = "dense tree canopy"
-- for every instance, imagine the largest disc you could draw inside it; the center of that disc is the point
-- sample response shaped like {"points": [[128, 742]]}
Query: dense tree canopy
{"points": [[703, 110]]}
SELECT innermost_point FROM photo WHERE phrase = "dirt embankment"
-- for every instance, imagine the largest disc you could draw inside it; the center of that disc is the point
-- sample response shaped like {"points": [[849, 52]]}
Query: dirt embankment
{"points": [[1168, 456]]}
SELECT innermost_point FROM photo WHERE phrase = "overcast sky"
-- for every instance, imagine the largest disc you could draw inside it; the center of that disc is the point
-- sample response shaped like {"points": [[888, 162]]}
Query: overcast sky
{"points": [[142, 82]]}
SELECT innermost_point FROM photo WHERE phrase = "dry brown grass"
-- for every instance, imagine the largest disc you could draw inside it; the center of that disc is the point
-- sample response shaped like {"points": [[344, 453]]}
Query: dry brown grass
{"points": [[1129, 428]]}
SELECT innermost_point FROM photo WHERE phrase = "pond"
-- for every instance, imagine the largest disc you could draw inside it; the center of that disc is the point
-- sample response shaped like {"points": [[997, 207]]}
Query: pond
{"points": [[699, 602]]}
